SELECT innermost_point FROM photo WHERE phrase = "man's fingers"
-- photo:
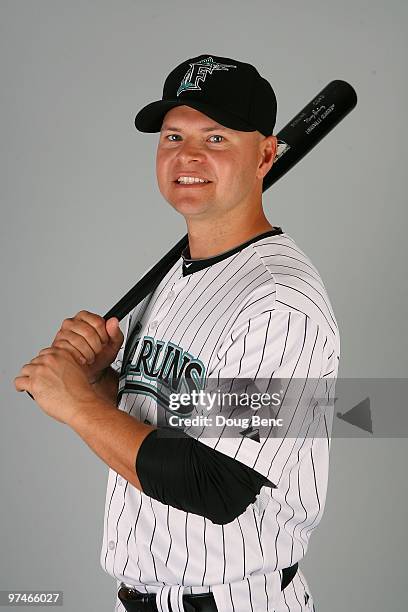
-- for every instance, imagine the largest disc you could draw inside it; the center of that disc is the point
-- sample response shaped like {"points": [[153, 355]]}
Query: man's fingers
{"points": [[46, 358], [22, 383], [45, 351], [27, 369], [87, 336], [115, 332], [84, 330], [78, 355], [80, 343], [97, 323]]}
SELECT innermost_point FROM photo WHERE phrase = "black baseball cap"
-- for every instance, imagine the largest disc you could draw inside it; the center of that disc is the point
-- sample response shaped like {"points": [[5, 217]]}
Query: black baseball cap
{"points": [[231, 92]]}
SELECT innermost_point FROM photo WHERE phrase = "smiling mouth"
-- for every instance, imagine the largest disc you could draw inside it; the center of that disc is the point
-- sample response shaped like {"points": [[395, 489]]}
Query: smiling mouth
{"points": [[192, 185]]}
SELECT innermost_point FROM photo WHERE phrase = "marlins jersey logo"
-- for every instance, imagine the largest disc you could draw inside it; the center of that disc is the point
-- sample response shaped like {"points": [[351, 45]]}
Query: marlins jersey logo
{"points": [[198, 71], [156, 369]]}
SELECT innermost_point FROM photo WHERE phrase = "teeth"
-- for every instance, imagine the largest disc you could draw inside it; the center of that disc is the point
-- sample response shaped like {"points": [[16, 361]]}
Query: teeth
{"points": [[190, 179]]}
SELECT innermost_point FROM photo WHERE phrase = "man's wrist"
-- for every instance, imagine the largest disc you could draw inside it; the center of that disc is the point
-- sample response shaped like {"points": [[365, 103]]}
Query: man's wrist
{"points": [[106, 383], [87, 411], [99, 376]]}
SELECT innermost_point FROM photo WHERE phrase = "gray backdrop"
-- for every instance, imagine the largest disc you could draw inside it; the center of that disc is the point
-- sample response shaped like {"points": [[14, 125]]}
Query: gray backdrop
{"points": [[82, 218]]}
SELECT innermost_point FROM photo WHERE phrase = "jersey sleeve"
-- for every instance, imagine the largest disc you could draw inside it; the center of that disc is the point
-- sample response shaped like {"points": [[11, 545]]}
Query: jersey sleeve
{"points": [[273, 365]]}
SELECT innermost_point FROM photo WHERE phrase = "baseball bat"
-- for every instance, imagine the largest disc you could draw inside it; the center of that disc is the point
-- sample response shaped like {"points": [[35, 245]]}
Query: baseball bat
{"points": [[295, 140]]}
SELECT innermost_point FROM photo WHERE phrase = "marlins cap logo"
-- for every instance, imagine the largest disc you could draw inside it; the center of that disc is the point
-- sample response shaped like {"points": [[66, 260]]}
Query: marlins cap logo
{"points": [[198, 72]]}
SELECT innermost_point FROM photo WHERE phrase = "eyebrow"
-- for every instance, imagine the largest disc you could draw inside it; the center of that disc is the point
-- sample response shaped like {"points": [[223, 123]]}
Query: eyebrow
{"points": [[211, 128]]}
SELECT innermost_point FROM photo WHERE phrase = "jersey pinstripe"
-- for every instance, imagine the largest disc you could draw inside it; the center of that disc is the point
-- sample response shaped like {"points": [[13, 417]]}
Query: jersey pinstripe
{"points": [[261, 314]]}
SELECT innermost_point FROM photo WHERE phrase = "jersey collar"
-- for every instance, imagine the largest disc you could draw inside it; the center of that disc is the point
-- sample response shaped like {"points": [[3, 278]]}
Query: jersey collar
{"points": [[194, 265]]}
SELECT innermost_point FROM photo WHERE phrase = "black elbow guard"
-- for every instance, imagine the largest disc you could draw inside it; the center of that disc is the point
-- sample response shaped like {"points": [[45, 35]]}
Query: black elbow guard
{"points": [[188, 475]]}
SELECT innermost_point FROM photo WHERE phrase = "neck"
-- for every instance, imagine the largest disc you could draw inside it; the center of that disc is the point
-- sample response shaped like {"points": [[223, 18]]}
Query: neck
{"points": [[210, 238]]}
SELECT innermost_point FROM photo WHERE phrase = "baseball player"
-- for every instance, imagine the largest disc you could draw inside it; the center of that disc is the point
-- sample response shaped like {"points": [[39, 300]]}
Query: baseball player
{"points": [[210, 500]]}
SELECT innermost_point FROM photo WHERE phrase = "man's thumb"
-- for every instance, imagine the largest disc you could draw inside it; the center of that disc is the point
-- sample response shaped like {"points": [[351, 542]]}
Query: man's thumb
{"points": [[113, 329]]}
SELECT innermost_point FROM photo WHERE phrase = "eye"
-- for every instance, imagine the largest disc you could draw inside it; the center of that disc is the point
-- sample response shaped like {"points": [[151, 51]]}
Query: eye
{"points": [[170, 137], [216, 136]]}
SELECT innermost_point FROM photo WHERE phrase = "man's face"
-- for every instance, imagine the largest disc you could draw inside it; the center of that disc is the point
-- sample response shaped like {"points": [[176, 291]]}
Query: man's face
{"points": [[190, 143]]}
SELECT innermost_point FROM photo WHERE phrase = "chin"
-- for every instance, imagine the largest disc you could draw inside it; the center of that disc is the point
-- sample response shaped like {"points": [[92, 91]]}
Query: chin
{"points": [[188, 208], [187, 205]]}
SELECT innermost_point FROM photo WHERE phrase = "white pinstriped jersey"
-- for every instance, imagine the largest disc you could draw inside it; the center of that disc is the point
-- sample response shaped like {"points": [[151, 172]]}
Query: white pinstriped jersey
{"points": [[261, 313]]}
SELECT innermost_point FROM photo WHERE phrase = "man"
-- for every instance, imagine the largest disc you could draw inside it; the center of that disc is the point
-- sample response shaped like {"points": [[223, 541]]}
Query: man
{"points": [[207, 508]]}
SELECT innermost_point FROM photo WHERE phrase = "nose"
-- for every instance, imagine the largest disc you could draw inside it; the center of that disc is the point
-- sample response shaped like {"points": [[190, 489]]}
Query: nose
{"points": [[190, 151]]}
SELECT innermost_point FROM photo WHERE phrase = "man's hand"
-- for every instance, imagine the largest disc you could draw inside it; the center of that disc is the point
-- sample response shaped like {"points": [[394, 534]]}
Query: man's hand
{"points": [[92, 341], [58, 384]]}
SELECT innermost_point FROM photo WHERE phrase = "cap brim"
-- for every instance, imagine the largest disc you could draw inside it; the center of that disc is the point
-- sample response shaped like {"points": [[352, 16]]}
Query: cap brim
{"points": [[150, 117]]}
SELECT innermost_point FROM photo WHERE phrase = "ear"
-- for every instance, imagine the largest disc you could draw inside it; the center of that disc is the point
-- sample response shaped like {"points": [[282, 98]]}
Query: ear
{"points": [[268, 148]]}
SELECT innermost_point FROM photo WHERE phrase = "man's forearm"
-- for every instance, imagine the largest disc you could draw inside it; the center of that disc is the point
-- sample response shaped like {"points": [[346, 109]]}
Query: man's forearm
{"points": [[114, 435], [106, 385]]}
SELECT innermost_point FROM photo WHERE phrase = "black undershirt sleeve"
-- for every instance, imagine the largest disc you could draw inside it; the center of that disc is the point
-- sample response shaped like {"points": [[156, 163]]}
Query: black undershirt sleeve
{"points": [[186, 474]]}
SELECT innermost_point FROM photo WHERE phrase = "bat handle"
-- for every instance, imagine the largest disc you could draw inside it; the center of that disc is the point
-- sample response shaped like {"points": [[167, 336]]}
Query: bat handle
{"points": [[29, 394]]}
